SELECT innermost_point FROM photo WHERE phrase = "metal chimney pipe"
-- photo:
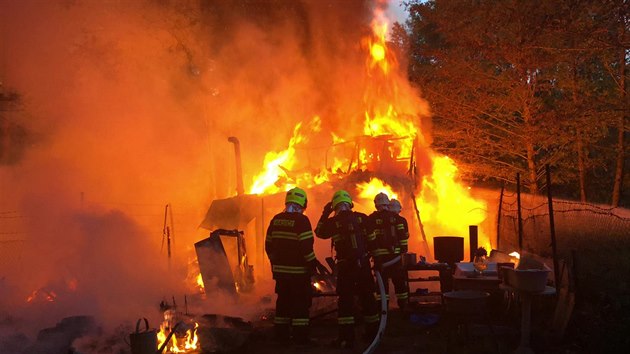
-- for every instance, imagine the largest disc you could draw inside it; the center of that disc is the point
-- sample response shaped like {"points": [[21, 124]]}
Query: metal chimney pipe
{"points": [[239, 169], [473, 236]]}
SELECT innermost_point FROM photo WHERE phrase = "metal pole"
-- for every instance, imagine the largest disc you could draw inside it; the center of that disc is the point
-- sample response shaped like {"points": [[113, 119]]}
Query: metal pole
{"points": [[164, 227], [499, 216], [473, 237], [240, 190], [552, 229], [172, 231], [520, 217]]}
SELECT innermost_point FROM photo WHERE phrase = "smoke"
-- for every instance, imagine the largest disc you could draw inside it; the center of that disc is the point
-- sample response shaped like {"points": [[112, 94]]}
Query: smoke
{"points": [[128, 106]]}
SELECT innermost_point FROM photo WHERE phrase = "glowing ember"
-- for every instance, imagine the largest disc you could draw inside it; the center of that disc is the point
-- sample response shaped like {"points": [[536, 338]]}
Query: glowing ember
{"points": [[41, 294]]}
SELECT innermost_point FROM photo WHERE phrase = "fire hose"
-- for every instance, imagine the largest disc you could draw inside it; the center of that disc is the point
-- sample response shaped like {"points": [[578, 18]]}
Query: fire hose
{"points": [[383, 323]]}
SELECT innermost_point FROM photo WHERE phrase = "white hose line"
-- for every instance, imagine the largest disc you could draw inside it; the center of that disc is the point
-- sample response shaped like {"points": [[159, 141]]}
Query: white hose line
{"points": [[383, 323]]}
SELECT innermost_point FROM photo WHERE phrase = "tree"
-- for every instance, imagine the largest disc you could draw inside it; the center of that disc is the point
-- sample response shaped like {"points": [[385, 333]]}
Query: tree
{"points": [[487, 80], [619, 38], [518, 84]]}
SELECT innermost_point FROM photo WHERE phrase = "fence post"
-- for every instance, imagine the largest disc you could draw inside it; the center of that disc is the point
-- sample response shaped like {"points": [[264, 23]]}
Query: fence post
{"points": [[520, 217], [552, 229], [499, 216]]}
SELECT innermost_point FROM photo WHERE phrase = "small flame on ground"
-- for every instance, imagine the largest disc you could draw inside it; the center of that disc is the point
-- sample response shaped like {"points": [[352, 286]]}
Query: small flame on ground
{"points": [[184, 344]]}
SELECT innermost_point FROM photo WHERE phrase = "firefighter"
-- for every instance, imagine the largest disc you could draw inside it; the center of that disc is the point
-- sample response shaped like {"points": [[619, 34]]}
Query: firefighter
{"points": [[391, 236], [289, 246], [349, 234]]}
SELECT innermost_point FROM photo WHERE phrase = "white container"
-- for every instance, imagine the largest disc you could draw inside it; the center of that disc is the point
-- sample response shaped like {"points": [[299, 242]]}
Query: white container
{"points": [[530, 280]]}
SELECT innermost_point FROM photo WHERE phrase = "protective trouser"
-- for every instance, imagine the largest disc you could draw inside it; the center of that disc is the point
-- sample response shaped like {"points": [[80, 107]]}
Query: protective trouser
{"points": [[356, 280], [398, 275], [292, 307]]}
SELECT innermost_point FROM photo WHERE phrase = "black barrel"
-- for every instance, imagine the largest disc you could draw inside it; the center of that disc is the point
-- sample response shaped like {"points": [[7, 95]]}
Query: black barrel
{"points": [[448, 249]]}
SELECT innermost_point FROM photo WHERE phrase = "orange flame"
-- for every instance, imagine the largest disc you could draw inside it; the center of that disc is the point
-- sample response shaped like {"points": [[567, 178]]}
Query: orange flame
{"points": [[392, 112], [446, 205], [184, 344], [367, 190], [200, 285], [278, 163]]}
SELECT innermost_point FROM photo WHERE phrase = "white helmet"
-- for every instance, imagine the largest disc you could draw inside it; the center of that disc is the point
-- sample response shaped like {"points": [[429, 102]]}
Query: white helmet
{"points": [[394, 205], [381, 201]]}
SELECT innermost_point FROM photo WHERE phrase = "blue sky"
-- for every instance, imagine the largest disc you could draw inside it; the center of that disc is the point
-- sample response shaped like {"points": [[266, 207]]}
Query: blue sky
{"points": [[396, 11]]}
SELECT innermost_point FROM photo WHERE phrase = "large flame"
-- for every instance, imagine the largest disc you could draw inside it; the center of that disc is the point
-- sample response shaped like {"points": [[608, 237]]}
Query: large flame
{"points": [[446, 204], [368, 190], [278, 163], [391, 119]]}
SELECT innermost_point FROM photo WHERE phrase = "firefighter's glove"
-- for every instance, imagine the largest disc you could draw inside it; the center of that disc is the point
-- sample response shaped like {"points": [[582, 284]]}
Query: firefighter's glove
{"points": [[328, 209]]}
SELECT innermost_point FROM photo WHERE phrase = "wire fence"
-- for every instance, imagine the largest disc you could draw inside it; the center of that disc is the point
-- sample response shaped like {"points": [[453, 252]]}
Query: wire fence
{"points": [[574, 222], [595, 241], [12, 238], [18, 228]]}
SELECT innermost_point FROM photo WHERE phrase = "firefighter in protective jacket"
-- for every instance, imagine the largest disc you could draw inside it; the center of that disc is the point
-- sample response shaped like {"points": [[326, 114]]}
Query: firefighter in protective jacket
{"points": [[349, 234], [391, 235], [289, 246]]}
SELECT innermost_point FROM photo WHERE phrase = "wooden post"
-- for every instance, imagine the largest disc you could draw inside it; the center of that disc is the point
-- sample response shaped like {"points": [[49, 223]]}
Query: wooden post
{"points": [[168, 242], [164, 227], [499, 216], [552, 228], [520, 217], [574, 267], [172, 230]]}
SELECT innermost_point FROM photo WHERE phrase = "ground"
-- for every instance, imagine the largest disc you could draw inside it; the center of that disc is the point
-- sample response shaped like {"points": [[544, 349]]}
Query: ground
{"points": [[421, 329]]}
